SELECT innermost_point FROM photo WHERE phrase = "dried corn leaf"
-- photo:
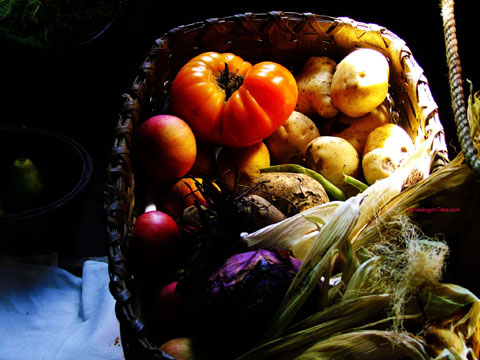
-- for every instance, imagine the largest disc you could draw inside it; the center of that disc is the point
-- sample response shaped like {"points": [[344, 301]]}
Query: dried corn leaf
{"points": [[367, 345], [442, 192], [336, 319], [360, 281], [442, 300], [378, 195], [346, 307], [307, 224], [329, 240]]}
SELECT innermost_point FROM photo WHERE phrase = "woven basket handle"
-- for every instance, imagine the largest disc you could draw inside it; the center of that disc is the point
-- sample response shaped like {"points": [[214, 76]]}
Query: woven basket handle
{"points": [[456, 87]]}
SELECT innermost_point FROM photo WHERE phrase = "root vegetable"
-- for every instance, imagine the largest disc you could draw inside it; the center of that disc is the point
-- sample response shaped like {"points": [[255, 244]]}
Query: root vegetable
{"points": [[287, 144], [255, 212], [386, 149], [332, 190], [356, 130], [291, 193], [378, 164], [392, 137], [360, 82], [333, 157], [313, 82], [258, 212]]}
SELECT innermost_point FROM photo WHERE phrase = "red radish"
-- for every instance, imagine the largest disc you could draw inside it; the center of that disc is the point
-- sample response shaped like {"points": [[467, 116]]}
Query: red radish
{"points": [[156, 242], [169, 309]]}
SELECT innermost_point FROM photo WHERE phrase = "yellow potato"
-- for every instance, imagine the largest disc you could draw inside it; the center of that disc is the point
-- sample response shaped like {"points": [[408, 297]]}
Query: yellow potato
{"points": [[356, 130], [287, 144], [313, 82], [333, 157], [360, 82], [392, 137], [387, 147], [378, 164]]}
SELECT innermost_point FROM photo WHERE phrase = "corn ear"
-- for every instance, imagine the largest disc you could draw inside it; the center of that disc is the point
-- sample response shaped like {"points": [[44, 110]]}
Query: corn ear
{"points": [[367, 345], [345, 308], [338, 318], [442, 300], [360, 279]]}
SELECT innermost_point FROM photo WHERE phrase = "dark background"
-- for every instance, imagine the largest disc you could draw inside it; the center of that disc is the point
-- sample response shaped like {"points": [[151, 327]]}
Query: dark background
{"points": [[77, 90]]}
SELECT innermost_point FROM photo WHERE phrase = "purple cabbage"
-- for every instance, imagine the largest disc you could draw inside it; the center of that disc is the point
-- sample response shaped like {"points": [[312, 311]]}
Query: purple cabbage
{"points": [[239, 300]]}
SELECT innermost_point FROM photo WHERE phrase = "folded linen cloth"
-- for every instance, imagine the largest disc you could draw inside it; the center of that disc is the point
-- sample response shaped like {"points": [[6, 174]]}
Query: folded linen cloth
{"points": [[48, 313]]}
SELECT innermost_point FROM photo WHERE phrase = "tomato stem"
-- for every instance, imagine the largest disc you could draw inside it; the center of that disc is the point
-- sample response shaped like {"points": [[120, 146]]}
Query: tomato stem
{"points": [[229, 82]]}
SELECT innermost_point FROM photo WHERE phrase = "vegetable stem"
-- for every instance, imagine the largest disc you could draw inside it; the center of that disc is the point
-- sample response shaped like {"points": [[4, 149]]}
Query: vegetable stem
{"points": [[360, 186], [330, 188], [229, 82]]}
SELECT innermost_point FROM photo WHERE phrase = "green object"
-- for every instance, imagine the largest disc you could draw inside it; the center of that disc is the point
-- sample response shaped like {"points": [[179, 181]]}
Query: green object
{"points": [[25, 186], [360, 186], [48, 24]]}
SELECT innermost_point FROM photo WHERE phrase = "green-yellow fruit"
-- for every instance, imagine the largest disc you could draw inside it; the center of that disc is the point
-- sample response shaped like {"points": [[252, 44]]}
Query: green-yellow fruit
{"points": [[25, 186]]}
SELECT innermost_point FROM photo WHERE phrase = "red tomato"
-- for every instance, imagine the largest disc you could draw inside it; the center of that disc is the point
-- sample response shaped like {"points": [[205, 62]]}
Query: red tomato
{"points": [[227, 101]]}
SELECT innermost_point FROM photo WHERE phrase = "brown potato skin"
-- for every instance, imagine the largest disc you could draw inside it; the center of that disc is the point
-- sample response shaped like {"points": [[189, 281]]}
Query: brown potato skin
{"points": [[356, 130], [291, 193], [287, 144], [314, 82], [333, 157]]}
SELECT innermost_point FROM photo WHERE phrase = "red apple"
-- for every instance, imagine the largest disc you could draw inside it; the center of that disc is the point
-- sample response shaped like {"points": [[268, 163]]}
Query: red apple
{"points": [[156, 242], [166, 147], [181, 348]]}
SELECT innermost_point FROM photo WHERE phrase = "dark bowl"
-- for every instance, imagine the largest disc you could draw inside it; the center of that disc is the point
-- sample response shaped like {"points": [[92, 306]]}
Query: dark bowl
{"points": [[66, 168]]}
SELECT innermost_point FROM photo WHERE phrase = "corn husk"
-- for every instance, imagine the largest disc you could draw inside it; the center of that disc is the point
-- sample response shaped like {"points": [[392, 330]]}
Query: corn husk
{"points": [[307, 225], [329, 240], [442, 300], [379, 195], [447, 193], [367, 345], [339, 318]]}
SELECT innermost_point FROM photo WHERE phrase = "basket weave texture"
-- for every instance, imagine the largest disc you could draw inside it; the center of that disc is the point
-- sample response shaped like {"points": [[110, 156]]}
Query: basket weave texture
{"points": [[284, 37]]}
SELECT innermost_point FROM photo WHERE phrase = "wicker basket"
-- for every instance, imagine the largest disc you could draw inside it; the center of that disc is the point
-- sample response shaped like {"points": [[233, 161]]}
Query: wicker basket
{"points": [[288, 38]]}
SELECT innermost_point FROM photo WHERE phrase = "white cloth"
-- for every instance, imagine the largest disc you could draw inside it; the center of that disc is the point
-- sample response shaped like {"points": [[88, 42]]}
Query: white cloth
{"points": [[48, 313]]}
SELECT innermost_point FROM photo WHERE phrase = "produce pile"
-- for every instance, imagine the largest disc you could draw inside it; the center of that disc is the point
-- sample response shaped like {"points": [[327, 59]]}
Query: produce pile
{"points": [[264, 232]]}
